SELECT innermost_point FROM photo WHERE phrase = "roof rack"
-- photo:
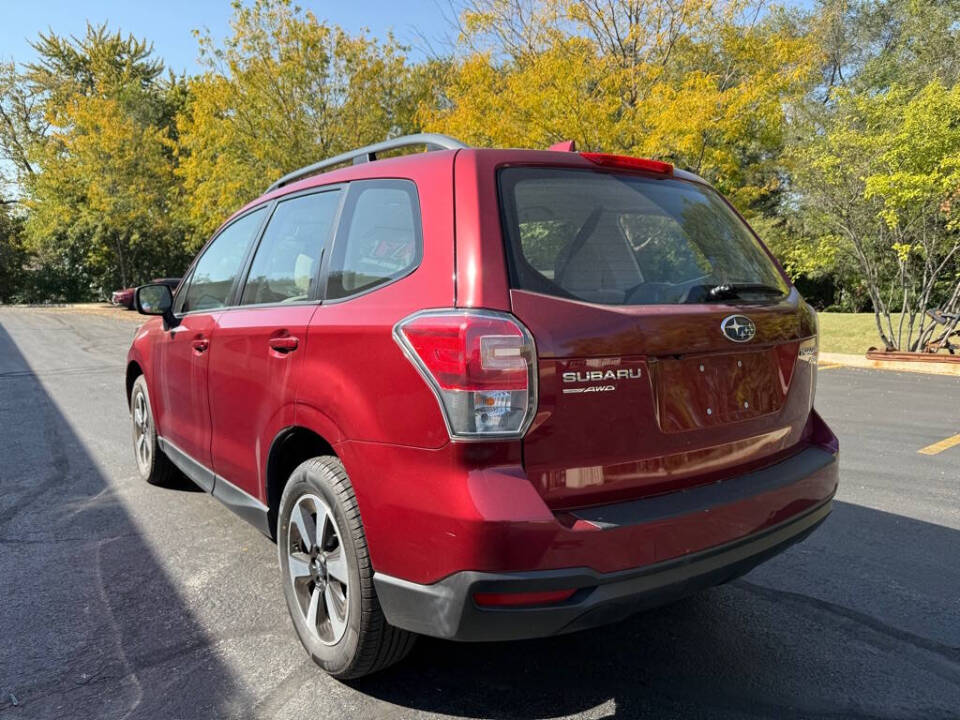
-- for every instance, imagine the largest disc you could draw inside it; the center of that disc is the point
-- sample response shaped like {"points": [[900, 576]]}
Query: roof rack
{"points": [[368, 153]]}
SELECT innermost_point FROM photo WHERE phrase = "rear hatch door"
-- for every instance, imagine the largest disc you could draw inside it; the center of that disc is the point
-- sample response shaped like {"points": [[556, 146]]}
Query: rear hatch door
{"points": [[667, 338]]}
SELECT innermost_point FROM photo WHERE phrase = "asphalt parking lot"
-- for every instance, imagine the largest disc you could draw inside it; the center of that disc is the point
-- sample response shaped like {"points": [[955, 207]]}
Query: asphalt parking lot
{"points": [[120, 600]]}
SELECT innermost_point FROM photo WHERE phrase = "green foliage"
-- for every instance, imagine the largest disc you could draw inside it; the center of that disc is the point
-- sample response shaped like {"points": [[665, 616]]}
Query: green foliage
{"points": [[97, 63], [875, 177], [98, 179], [26, 278], [12, 256], [871, 163], [22, 126], [284, 90], [905, 42]]}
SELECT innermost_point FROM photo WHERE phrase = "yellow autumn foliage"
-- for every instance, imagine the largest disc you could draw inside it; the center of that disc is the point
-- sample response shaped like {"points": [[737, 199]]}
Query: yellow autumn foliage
{"points": [[700, 83], [283, 91], [108, 183]]}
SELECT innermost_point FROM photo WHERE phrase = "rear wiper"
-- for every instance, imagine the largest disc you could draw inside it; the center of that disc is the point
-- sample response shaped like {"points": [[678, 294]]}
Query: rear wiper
{"points": [[727, 291]]}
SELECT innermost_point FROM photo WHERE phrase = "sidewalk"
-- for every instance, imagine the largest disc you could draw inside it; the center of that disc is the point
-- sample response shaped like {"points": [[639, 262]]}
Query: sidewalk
{"points": [[830, 360]]}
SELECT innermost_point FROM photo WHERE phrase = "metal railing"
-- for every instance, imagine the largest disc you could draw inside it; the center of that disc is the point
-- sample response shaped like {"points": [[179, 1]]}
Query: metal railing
{"points": [[433, 141]]}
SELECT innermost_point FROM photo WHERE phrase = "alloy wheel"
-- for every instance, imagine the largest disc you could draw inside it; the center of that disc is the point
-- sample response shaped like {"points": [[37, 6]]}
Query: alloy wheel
{"points": [[318, 568], [141, 430]]}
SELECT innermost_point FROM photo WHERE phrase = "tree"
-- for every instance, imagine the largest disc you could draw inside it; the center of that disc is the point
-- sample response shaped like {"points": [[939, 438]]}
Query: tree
{"points": [[98, 182], [904, 42], [701, 83], [22, 124], [12, 256], [871, 166], [107, 178], [877, 177], [284, 90]]}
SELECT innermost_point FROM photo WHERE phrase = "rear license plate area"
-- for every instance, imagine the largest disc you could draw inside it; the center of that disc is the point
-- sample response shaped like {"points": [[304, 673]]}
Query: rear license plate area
{"points": [[703, 391]]}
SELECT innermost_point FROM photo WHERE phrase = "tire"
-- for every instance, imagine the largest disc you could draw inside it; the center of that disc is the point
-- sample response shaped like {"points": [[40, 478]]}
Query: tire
{"points": [[332, 580], [152, 464]]}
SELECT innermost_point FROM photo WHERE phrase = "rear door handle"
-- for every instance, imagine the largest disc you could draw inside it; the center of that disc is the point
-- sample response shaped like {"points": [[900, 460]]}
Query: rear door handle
{"points": [[201, 344], [284, 344]]}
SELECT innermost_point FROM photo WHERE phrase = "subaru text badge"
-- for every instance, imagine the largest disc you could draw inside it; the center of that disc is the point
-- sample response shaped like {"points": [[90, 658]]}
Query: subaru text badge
{"points": [[738, 328]]}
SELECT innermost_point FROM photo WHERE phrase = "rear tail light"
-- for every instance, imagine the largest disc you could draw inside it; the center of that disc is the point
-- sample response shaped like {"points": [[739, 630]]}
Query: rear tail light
{"points": [[480, 364], [515, 599]]}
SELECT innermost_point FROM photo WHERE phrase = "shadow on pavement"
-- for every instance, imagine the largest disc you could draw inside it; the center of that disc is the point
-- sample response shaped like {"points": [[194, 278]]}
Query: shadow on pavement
{"points": [[745, 649], [91, 625], [861, 620]]}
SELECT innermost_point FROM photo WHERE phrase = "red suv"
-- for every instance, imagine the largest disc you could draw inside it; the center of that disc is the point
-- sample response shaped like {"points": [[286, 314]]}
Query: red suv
{"points": [[487, 394]]}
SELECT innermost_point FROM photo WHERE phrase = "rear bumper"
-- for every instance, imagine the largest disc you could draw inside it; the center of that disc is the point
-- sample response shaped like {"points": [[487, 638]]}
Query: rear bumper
{"points": [[446, 608]]}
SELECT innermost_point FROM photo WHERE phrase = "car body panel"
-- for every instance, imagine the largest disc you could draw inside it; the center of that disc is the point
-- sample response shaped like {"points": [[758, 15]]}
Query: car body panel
{"points": [[181, 382], [249, 382], [698, 405], [352, 351], [684, 420], [123, 297], [472, 506]]}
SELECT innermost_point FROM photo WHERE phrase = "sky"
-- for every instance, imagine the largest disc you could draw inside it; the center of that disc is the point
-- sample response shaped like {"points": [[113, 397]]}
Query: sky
{"points": [[168, 23]]}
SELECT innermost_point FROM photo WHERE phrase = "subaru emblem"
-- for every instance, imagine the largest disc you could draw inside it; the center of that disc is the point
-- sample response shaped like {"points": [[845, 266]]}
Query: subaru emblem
{"points": [[738, 328]]}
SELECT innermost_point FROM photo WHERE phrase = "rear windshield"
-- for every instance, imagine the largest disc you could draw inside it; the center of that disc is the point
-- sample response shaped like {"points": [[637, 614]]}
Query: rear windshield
{"points": [[629, 240]]}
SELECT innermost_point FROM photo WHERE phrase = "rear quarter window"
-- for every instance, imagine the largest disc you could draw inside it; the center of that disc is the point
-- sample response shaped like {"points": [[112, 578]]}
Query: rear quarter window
{"points": [[379, 239]]}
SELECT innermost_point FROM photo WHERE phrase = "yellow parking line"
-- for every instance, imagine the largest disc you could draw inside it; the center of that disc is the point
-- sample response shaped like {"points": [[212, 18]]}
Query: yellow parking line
{"points": [[827, 366], [939, 447]]}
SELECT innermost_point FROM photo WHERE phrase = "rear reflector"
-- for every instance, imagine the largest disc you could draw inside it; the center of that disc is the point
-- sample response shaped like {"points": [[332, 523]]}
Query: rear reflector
{"points": [[630, 163], [514, 599], [809, 350], [480, 364]]}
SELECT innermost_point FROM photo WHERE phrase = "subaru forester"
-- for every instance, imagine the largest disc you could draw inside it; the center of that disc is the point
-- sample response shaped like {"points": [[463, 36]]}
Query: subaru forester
{"points": [[487, 394]]}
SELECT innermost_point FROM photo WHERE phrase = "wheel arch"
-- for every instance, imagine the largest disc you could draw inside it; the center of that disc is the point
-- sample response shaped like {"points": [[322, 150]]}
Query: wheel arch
{"points": [[291, 446], [133, 372]]}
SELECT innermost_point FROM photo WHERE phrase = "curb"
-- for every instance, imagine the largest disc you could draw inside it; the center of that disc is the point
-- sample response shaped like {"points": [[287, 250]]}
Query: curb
{"points": [[828, 360]]}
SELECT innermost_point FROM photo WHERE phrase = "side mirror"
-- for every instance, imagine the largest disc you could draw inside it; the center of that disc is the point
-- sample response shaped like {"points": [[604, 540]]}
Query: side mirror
{"points": [[156, 299]]}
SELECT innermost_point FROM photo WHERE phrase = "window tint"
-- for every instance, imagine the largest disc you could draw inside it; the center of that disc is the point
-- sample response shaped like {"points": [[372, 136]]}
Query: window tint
{"points": [[285, 266], [216, 270], [628, 240], [381, 240]]}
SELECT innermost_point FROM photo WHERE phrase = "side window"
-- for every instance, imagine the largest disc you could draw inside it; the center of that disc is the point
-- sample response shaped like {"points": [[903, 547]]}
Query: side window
{"points": [[285, 266], [216, 270], [543, 241], [379, 239]]}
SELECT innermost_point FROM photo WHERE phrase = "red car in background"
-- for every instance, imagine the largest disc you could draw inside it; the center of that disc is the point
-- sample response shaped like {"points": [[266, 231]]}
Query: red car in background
{"points": [[487, 394], [124, 297]]}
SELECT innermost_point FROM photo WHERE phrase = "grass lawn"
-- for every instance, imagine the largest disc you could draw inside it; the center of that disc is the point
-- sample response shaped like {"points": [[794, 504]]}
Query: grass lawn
{"points": [[852, 333]]}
